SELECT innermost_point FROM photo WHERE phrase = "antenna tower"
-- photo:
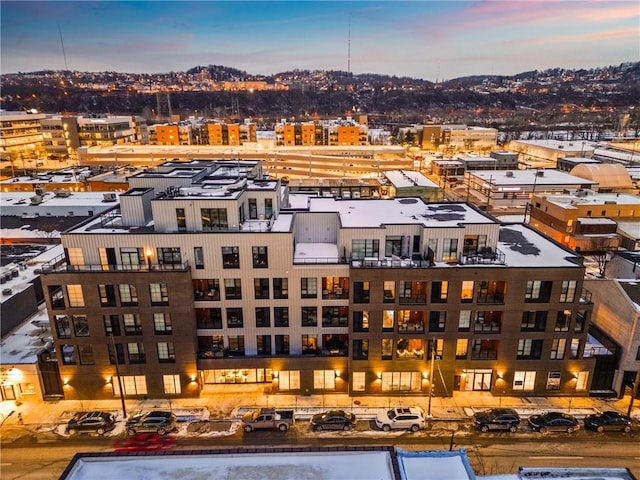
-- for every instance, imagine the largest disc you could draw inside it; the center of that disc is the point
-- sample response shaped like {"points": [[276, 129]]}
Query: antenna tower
{"points": [[349, 53], [164, 103], [64, 55]]}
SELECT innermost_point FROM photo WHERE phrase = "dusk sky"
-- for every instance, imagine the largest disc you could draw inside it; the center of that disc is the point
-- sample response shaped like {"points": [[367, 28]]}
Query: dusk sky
{"points": [[423, 39]]}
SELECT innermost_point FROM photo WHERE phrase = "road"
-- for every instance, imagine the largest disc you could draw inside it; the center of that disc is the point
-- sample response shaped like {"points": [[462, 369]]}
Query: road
{"points": [[488, 453]]}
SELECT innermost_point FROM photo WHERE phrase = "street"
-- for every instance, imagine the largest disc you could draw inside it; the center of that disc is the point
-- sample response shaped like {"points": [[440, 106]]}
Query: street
{"points": [[489, 453]]}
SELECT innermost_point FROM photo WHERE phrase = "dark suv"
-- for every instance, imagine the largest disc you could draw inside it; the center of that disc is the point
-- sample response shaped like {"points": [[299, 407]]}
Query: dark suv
{"points": [[497, 419], [91, 422], [158, 421]]}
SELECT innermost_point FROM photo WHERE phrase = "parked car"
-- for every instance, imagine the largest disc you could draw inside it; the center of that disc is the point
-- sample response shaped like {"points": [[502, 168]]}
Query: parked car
{"points": [[401, 418], [554, 421], [333, 420], [268, 418], [497, 419], [607, 421], [158, 421], [91, 422]]}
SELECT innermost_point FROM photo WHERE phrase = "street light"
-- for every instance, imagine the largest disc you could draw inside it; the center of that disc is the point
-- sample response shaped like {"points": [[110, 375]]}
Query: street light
{"points": [[572, 392]]}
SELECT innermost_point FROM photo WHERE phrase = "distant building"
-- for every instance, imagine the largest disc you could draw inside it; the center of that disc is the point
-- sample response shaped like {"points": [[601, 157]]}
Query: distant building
{"points": [[21, 139], [584, 220], [342, 132], [611, 178], [545, 153], [456, 138]]}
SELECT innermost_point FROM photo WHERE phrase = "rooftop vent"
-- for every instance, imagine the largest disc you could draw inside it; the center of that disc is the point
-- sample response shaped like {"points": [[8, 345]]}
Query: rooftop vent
{"points": [[509, 173], [63, 193], [540, 173], [108, 197], [36, 200]]}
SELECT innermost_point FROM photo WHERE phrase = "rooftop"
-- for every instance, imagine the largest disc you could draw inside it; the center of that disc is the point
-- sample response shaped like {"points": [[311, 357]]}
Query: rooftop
{"points": [[592, 198], [530, 177]]}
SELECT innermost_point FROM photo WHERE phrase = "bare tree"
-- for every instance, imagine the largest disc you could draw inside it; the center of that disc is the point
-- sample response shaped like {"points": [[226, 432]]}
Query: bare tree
{"points": [[49, 232], [599, 249]]}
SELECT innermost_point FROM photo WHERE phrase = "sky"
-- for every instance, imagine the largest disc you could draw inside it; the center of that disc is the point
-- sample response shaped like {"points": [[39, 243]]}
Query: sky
{"points": [[432, 40]]}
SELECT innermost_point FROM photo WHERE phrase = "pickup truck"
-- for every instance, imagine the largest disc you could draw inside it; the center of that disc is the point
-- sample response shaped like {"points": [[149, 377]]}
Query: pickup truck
{"points": [[267, 418]]}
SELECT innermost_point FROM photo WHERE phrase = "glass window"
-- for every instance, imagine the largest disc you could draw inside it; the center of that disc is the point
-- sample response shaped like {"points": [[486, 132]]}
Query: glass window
{"points": [[162, 323], [263, 317], [169, 256], [360, 349], [359, 381], [362, 248], [568, 291], [309, 287], [131, 384], [260, 257], [159, 294], [80, 325], [230, 257], [74, 292], [128, 294], [309, 316], [387, 349], [171, 384], [439, 291], [282, 344], [464, 322], [280, 288], [450, 250], [111, 325], [563, 320], [533, 321], [388, 320], [360, 292], [214, 219], [524, 380], [389, 291], [393, 246], [261, 288], [181, 220], [529, 349], [281, 316], [132, 324], [234, 318], [107, 295], [166, 352], [136, 353], [232, 289], [466, 294], [198, 255], [68, 354], [63, 326], [462, 347], [557, 348]]}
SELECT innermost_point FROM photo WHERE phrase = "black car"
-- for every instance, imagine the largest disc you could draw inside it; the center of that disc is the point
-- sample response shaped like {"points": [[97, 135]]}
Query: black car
{"points": [[158, 421], [497, 419], [553, 422], [607, 421], [91, 422], [333, 420]]}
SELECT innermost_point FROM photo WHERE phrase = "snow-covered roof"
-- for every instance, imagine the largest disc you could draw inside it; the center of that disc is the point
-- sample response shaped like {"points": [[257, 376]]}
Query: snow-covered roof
{"points": [[530, 177], [22, 345], [409, 178], [524, 247], [592, 198], [596, 221], [373, 213], [562, 145]]}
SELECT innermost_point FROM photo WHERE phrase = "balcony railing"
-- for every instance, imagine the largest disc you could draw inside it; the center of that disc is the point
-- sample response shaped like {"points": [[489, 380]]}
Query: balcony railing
{"points": [[585, 296], [53, 268], [485, 256]]}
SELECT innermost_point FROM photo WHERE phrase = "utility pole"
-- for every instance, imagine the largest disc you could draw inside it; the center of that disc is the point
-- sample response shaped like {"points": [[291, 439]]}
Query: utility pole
{"points": [[634, 392], [433, 358], [115, 358]]}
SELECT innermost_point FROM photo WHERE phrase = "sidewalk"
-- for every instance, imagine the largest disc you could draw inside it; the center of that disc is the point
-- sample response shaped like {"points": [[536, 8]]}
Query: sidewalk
{"points": [[28, 418]]}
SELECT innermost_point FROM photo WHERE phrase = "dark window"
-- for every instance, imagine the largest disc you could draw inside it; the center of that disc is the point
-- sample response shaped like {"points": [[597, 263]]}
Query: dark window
{"points": [[538, 291], [261, 288], [437, 321], [309, 316], [85, 354], [263, 317], [534, 321], [181, 220], [361, 249], [68, 354], [169, 256], [361, 349], [232, 289], [581, 320], [198, 255], [253, 209], [335, 316], [260, 257], [282, 344], [234, 318], [209, 318], [280, 288], [563, 320], [529, 349], [361, 292], [360, 321], [439, 292], [107, 295], [63, 326], [484, 349], [56, 295], [264, 344], [214, 219], [206, 289], [268, 208], [413, 292], [230, 257], [80, 325], [488, 321], [119, 352], [281, 316]]}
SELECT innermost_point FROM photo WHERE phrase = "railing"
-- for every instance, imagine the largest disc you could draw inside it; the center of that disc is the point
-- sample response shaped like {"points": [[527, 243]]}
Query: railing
{"points": [[585, 296], [488, 256], [51, 268]]}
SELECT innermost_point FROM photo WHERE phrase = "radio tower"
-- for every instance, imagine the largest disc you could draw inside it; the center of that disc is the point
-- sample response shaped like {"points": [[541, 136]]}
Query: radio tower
{"points": [[349, 53]]}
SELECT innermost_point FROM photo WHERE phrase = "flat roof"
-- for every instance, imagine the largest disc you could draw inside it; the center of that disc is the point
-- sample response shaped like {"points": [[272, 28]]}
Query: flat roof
{"points": [[562, 145], [409, 178], [374, 213], [529, 177], [592, 198]]}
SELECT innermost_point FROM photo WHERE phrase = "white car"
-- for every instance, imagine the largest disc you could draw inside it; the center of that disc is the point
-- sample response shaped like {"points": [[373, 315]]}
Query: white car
{"points": [[401, 418]]}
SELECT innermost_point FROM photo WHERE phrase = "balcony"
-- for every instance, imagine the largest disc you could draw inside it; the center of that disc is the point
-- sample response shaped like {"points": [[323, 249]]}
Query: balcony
{"points": [[585, 296], [485, 256], [65, 268]]}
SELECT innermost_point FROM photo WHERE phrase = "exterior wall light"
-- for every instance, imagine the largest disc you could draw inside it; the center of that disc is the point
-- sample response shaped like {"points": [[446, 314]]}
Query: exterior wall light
{"points": [[337, 372]]}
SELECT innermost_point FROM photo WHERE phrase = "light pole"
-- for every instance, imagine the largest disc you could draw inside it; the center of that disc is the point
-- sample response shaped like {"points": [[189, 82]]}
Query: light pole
{"points": [[115, 360], [572, 391], [433, 358]]}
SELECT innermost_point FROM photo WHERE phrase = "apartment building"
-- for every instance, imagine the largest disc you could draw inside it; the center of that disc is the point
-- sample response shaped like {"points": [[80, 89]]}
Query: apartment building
{"points": [[207, 274], [340, 132], [21, 137]]}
